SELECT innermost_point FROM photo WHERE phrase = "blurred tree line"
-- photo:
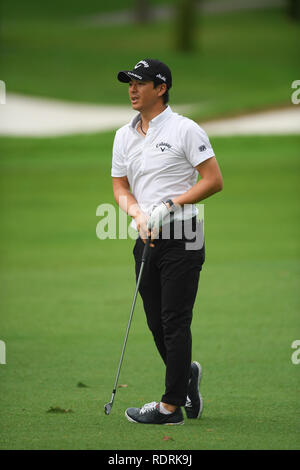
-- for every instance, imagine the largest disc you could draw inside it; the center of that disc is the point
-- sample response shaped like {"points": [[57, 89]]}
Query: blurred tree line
{"points": [[185, 20], [186, 12], [294, 9]]}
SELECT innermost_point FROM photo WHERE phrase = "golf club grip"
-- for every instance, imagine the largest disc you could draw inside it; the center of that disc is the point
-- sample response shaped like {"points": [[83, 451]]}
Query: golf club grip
{"points": [[146, 250]]}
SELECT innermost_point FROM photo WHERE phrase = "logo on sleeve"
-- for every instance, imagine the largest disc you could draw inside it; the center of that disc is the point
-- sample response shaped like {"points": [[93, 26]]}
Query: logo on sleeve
{"points": [[202, 148], [163, 146]]}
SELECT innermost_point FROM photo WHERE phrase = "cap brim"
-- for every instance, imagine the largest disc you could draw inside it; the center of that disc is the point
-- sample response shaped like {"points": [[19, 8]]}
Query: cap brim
{"points": [[123, 77], [126, 75]]}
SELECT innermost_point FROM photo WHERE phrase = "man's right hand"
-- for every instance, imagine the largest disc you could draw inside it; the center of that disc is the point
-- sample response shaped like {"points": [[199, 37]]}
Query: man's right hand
{"points": [[141, 221]]}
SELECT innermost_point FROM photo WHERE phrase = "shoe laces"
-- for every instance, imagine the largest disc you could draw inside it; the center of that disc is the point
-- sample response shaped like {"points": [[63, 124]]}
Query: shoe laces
{"points": [[148, 407]]}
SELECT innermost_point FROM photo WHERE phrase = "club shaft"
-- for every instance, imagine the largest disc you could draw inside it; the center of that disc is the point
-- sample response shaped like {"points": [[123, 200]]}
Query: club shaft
{"points": [[145, 253], [128, 327]]}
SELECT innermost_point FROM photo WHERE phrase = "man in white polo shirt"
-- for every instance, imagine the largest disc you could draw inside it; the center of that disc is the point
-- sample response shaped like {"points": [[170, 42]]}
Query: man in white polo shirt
{"points": [[157, 158]]}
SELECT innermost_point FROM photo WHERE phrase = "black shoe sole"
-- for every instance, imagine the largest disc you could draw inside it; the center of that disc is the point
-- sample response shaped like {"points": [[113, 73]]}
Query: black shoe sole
{"points": [[164, 424]]}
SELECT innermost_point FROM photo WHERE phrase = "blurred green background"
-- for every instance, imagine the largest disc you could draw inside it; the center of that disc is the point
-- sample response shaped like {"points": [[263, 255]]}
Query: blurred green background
{"points": [[241, 60], [65, 295]]}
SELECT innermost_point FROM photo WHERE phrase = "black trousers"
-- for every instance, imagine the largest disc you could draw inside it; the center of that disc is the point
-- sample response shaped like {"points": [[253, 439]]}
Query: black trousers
{"points": [[168, 289]]}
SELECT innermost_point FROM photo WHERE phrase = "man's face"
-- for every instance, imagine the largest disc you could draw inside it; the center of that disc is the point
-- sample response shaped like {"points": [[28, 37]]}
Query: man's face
{"points": [[143, 95]]}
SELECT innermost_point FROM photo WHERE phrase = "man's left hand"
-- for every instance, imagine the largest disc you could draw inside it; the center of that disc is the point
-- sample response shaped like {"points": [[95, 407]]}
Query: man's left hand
{"points": [[157, 217]]}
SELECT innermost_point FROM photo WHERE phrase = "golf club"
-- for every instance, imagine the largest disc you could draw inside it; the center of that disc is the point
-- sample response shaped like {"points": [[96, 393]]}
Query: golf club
{"points": [[108, 406]]}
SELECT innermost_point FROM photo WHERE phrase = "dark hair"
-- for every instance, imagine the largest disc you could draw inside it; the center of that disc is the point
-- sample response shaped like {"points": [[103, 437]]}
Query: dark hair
{"points": [[165, 96]]}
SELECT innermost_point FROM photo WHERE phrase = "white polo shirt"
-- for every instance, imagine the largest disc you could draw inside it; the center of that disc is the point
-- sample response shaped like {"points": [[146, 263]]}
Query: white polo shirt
{"points": [[161, 165]]}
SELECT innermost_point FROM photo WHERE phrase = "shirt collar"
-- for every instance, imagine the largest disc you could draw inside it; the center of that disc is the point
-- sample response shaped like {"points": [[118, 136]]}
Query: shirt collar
{"points": [[135, 120], [161, 117], [156, 121]]}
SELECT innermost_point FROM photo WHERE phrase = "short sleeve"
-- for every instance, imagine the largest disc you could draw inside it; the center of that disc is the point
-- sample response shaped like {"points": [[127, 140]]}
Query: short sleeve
{"points": [[197, 147], [118, 168]]}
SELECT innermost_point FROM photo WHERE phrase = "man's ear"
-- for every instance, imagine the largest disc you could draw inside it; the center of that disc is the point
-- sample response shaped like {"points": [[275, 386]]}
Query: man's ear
{"points": [[162, 89]]}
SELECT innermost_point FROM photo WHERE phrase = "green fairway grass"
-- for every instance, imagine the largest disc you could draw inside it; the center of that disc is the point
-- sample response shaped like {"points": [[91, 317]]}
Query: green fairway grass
{"points": [[66, 297], [242, 61]]}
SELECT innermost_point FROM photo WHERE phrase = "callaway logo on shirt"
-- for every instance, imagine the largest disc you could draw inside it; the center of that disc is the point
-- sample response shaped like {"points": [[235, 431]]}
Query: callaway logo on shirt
{"points": [[163, 146]]}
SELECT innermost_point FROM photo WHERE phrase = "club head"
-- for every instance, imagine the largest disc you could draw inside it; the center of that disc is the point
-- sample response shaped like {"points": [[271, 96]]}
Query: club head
{"points": [[107, 408]]}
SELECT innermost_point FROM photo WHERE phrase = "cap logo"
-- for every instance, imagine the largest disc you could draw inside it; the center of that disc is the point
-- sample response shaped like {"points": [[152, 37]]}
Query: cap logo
{"points": [[135, 75], [161, 77], [140, 63]]}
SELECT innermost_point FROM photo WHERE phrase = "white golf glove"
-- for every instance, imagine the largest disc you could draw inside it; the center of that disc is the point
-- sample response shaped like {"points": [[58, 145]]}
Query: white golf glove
{"points": [[158, 216]]}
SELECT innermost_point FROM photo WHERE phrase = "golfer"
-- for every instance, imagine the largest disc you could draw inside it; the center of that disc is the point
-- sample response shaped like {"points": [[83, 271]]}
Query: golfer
{"points": [[156, 161]]}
